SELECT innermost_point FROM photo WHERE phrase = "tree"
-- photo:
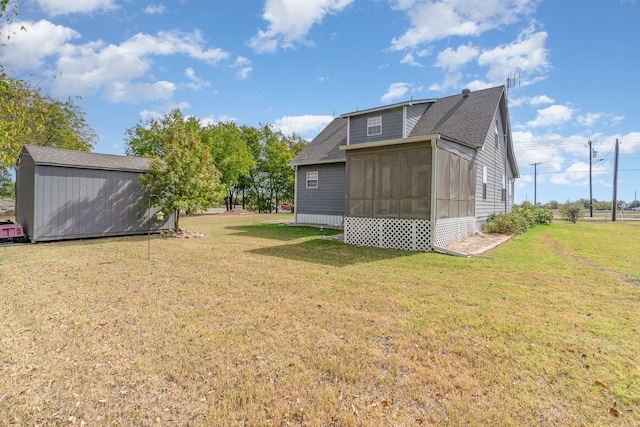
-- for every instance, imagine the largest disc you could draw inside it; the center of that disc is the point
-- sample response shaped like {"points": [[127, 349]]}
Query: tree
{"points": [[6, 185], [17, 105], [62, 125], [272, 179], [28, 117], [183, 173], [231, 155]]}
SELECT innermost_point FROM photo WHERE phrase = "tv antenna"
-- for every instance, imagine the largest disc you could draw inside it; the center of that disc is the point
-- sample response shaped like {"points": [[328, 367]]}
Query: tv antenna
{"points": [[513, 80]]}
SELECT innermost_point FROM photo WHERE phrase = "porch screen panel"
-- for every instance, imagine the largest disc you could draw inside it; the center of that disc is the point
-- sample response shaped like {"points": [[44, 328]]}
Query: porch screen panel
{"points": [[360, 185], [415, 184], [387, 184], [454, 191], [443, 192]]}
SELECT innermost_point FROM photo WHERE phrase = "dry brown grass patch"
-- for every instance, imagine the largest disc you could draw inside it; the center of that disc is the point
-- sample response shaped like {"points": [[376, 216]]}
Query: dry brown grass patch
{"points": [[260, 324]]}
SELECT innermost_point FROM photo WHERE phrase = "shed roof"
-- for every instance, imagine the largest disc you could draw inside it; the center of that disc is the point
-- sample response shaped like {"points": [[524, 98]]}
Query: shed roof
{"points": [[84, 160], [325, 148]]}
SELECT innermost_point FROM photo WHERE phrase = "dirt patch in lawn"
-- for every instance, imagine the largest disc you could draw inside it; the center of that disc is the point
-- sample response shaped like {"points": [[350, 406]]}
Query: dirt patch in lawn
{"points": [[479, 243]]}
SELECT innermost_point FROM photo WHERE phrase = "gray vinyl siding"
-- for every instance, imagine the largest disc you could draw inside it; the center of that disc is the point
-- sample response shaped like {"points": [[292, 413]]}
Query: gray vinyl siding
{"points": [[392, 122], [414, 112], [329, 197], [71, 203], [493, 156]]}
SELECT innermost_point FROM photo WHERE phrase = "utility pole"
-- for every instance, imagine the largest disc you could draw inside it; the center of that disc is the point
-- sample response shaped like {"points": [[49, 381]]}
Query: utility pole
{"points": [[590, 182], [535, 182], [614, 203]]}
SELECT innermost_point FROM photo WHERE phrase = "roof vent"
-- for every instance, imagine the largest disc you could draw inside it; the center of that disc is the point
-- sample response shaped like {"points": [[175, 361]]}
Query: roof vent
{"points": [[465, 93]]}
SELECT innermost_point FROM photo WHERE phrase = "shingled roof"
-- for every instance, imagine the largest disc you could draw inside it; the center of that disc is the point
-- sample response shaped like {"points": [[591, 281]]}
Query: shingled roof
{"points": [[84, 160], [325, 148], [465, 120]]}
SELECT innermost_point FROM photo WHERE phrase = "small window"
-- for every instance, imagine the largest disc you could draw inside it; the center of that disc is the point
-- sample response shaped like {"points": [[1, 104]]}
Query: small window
{"points": [[374, 126], [312, 179], [484, 183], [504, 188]]}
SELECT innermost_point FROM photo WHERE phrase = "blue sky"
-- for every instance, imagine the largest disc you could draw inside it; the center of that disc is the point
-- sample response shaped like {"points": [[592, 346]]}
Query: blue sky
{"points": [[295, 64]]}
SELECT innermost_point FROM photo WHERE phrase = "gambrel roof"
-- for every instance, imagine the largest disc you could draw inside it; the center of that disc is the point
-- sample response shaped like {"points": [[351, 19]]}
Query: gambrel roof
{"points": [[459, 118], [84, 160]]}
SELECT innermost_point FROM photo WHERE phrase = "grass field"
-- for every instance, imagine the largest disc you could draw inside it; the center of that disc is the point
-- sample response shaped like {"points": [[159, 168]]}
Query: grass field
{"points": [[261, 324]]}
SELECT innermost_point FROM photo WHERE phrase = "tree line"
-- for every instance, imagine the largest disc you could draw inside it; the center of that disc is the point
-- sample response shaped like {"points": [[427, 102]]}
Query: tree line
{"points": [[195, 165]]}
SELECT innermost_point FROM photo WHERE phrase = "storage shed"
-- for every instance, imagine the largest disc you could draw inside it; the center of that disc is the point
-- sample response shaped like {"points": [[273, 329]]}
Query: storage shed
{"points": [[67, 194]]}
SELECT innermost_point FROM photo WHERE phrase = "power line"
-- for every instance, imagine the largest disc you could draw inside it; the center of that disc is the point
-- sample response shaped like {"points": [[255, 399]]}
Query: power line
{"points": [[579, 172]]}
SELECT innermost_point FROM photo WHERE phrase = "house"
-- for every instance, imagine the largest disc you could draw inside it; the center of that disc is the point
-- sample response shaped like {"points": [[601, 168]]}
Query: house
{"points": [[67, 194], [416, 175]]}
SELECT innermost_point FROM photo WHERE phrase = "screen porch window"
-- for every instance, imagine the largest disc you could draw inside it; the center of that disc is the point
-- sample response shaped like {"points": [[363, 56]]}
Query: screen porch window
{"points": [[374, 126], [312, 179]]}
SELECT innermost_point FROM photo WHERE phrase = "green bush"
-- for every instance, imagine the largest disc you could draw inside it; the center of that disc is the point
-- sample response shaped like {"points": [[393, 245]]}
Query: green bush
{"points": [[520, 218], [508, 223], [533, 213], [572, 211]]}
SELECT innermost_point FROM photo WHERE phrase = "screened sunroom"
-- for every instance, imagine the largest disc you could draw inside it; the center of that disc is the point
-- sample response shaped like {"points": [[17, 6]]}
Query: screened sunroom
{"points": [[408, 195]]}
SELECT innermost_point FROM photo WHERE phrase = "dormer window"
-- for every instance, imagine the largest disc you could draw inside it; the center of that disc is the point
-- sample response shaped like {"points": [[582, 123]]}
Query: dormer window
{"points": [[374, 126]]}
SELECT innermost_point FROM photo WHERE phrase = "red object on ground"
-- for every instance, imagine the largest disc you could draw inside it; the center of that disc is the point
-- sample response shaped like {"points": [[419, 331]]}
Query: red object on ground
{"points": [[9, 230]]}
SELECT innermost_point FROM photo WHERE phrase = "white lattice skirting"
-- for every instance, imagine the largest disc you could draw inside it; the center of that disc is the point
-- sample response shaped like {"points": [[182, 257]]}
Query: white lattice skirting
{"points": [[453, 230], [407, 234]]}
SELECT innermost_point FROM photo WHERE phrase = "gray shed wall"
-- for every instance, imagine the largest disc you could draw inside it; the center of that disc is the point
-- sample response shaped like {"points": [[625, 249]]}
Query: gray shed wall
{"points": [[329, 197], [25, 179], [72, 203]]}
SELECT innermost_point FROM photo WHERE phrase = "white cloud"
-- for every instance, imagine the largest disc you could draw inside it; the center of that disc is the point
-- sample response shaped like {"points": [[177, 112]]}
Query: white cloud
{"points": [[542, 99], [452, 60], [155, 9], [550, 116], [212, 120], [630, 143], [120, 72], [396, 91], [527, 54], [133, 92], [589, 119], [32, 42], [434, 20], [291, 21], [302, 125], [66, 7], [616, 120], [536, 100], [409, 60], [196, 82], [243, 65]]}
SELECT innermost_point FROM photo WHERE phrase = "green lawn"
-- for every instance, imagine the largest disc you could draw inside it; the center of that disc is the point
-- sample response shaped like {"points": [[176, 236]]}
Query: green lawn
{"points": [[262, 324]]}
